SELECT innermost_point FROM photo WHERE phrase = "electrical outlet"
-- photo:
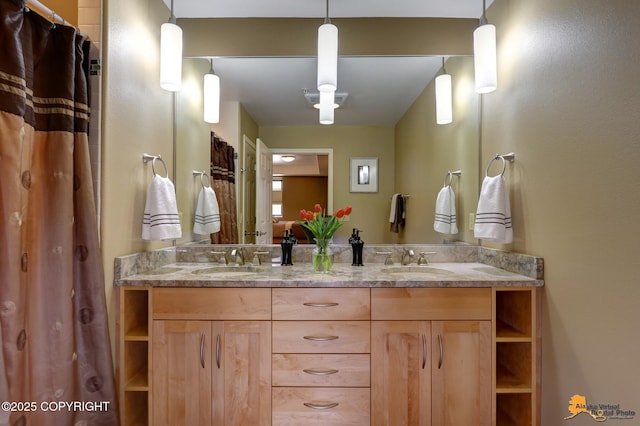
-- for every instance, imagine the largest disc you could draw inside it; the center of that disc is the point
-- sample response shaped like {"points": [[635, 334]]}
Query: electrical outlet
{"points": [[472, 221]]}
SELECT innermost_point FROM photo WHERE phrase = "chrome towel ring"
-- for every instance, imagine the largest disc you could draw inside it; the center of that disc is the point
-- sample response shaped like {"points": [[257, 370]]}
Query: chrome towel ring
{"points": [[510, 157], [148, 157], [202, 175]]}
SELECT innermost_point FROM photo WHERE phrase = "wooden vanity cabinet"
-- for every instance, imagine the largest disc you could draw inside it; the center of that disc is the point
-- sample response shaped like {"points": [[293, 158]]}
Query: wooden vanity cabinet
{"points": [[211, 356], [321, 356], [431, 356], [386, 356]]}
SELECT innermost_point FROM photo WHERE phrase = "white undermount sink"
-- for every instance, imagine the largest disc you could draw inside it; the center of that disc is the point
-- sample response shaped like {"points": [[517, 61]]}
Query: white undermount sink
{"points": [[229, 271], [415, 270]]}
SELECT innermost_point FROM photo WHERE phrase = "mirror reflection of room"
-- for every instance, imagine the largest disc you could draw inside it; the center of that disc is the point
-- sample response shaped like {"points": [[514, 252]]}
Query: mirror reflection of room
{"points": [[299, 182]]}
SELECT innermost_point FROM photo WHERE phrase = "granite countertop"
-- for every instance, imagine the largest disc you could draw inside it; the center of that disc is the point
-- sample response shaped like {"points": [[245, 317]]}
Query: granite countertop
{"points": [[444, 274]]}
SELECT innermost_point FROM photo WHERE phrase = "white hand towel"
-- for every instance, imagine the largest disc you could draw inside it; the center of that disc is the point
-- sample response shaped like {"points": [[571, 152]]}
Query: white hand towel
{"points": [[392, 212], [161, 220], [493, 218], [445, 220], [207, 218]]}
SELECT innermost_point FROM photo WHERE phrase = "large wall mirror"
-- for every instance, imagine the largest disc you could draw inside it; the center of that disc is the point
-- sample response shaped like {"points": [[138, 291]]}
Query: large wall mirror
{"points": [[386, 73], [414, 154]]}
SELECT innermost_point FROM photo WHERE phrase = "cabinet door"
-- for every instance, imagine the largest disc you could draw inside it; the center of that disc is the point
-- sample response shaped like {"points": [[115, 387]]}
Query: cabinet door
{"points": [[461, 372], [401, 373], [243, 351], [181, 382]]}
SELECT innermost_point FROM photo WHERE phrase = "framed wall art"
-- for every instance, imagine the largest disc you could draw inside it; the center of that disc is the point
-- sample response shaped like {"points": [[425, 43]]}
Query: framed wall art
{"points": [[364, 174]]}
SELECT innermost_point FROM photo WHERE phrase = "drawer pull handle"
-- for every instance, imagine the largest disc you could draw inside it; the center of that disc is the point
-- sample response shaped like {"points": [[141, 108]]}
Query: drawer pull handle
{"points": [[218, 351], [202, 350], [441, 351], [320, 338], [321, 372], [321, 406], [424, 351], [321, 304]]}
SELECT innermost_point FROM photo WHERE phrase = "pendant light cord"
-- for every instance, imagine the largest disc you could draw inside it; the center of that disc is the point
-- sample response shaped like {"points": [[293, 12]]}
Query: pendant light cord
{"points": [[483, 18], [326, 18], [172, 18]]}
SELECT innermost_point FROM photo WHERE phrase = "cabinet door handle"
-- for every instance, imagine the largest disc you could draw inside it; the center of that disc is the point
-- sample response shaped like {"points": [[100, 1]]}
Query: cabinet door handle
{"points": [[202, 350], [320, 338], [441, 351], [218, 351], [321, 304], [424, 351], [320, 406], [320, 372]]}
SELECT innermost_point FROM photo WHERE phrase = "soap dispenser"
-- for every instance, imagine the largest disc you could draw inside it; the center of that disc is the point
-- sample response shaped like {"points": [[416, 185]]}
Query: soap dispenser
{"points": [[287, 246], [356, 245]]}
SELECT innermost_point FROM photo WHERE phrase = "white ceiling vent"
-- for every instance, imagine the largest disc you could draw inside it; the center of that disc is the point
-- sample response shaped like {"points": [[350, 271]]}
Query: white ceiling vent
{"points": [[313, 98]]}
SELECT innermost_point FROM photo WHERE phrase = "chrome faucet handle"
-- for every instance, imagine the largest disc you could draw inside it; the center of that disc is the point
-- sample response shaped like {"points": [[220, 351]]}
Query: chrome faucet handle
{"points": [[256, 257], [387, 260], [223, 256], [407, 255], [422, 260], [238, 255]]}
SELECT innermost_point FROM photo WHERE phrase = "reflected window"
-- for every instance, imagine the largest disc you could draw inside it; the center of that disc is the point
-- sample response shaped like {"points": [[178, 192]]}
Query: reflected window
{"points": [[276, 209], [276, 185]]}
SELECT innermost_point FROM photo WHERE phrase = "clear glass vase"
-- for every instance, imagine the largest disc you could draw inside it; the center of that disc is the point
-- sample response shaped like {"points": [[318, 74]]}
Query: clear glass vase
{"points": [[322, 256]]}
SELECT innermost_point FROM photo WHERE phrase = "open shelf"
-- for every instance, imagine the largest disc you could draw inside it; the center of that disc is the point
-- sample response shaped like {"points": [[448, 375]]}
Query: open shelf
{"points": [[135, 407], [513, 366], [134, 341], [516, 356], [135, 313], [512, 409], [513, 314]]}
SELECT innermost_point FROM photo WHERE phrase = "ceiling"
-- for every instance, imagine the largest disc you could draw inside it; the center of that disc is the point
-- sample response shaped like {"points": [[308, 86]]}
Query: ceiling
{"points": [[380, 89]]}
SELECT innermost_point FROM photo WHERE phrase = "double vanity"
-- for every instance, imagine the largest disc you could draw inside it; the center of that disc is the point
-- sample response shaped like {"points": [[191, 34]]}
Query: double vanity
{"points": [[204, 341]]}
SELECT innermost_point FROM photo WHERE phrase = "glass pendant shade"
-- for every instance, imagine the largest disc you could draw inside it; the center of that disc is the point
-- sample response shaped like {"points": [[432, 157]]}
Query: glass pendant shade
{"points": [[326, 107], [484, 58], [444, 113], [170, 57], [327, 58], [211, 98]]}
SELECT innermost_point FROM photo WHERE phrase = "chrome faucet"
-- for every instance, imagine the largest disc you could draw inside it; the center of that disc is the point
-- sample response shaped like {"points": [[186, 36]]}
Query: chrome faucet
{"points": [[238, 254], [407, 256]]}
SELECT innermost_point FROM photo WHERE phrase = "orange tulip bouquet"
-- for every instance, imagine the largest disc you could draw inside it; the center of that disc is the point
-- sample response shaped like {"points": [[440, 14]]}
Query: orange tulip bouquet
{"points": [[322, 227]]}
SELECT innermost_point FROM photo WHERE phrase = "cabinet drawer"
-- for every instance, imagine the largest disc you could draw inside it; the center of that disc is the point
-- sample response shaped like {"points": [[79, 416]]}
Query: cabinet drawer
{"points": [[212, 303], [321, 303], [431, 304], [320, 370], [321, 337], [352, 406]]}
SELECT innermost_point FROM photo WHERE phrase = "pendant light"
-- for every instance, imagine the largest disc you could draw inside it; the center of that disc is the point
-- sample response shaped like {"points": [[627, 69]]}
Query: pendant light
{"points": [[327, 55], [327, 100], [484, 55], [444, 113], [211, 96], [171, 54]]}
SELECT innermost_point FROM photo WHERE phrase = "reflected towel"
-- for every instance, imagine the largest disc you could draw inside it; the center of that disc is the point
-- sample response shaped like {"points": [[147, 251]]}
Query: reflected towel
{"points": [[445, 219], [207, 217], [161, 220], [396, 214], [493, 218]]}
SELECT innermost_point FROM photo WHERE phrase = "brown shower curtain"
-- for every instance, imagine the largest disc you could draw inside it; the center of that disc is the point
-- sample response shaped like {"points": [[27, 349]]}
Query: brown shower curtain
{"points": [[224, 184], [55, 362]]}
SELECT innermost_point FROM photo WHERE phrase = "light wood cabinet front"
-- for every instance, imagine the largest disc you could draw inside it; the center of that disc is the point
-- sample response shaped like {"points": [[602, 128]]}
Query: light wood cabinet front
{"points": [[321, 337], [181, 391], [461, 373], [321, 406], [401, 373]]}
